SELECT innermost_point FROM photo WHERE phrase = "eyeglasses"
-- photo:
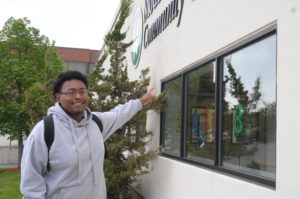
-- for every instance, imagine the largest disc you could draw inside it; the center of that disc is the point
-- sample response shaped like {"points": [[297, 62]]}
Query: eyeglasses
{"points": [[73, 92]]}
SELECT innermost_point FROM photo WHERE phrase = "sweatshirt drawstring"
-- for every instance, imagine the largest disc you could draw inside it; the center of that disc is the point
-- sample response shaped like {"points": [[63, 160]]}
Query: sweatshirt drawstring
{"points": [[93, 160], [77, 150]]}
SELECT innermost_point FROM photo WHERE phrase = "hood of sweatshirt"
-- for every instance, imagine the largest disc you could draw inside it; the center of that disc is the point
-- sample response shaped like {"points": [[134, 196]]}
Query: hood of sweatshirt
{"points": [[61, 114]]}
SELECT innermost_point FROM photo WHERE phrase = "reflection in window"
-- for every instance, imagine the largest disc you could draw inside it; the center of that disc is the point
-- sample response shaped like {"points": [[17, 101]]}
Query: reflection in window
{"points": [[201, 113], [172, 117], [249, 109]]}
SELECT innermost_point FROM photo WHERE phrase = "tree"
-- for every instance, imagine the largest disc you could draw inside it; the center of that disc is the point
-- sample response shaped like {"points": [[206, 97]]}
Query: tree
{"points": [[128, 157], [237, 88], [27, 63]]}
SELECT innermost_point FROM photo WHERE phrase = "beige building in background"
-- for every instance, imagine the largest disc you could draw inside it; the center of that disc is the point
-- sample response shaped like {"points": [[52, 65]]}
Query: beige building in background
{"points": [[82, 60]]}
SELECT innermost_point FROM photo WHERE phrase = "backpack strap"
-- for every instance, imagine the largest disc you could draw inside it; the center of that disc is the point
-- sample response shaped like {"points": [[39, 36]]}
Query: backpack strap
{"points": [[48, 134], [99, 123]]}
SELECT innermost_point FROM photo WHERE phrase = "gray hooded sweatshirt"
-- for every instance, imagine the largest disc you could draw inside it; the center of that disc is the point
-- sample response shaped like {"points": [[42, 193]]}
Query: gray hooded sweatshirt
{"points": [[76, 155]]}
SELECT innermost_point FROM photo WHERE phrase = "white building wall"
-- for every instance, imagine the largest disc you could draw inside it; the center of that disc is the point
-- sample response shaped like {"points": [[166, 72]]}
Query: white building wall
{"points": [[207, 27], [288, 98], [8, 152], [4, 141]]}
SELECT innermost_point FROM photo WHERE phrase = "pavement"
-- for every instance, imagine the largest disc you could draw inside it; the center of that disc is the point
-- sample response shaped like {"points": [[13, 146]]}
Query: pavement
{"points": [[8, 166]]}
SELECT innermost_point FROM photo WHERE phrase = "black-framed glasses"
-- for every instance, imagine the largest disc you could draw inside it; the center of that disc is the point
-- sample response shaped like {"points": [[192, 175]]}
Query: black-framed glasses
{"points": [[73, 92]]}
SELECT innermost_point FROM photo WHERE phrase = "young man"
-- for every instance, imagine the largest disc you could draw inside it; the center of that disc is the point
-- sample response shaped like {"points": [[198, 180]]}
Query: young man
{"points": [[77, 153]]}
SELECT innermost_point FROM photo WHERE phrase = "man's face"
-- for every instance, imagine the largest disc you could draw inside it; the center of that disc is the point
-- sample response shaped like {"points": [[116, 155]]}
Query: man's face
{"points": [[73, 98]]}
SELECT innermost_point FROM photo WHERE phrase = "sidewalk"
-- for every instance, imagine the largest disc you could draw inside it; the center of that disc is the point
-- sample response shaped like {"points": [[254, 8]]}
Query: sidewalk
{"points": [[8, 166]]}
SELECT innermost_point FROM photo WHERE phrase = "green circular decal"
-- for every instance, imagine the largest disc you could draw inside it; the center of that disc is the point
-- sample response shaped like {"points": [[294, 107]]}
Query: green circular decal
{"points": [[137, 36]]}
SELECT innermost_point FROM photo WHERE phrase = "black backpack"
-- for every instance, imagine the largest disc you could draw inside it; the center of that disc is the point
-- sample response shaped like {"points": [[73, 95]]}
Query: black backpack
{"points": [[49, 133]]}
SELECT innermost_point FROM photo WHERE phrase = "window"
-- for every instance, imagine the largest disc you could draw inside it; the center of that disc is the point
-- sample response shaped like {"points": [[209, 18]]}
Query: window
{"points": [[222, 113], [201, 113], [249, 109], [172, 117]]}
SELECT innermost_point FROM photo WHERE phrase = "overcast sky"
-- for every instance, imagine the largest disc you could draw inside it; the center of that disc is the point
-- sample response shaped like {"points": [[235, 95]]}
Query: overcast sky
{"points": [[70, 23]]}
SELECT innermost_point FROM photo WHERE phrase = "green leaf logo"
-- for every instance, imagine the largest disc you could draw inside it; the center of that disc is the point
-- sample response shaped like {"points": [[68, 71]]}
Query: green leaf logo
{"points": [[137, 36]]}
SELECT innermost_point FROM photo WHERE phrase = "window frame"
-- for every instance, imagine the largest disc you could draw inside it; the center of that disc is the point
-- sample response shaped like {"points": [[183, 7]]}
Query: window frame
{"points": [[218, 59]]}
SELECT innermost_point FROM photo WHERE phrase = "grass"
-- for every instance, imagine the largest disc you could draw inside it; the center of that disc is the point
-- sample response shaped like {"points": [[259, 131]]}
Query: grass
{"points": [[10, 184]]}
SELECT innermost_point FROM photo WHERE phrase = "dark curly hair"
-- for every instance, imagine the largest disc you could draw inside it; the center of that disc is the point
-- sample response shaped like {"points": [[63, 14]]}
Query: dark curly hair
{"points": [[65, 76]]}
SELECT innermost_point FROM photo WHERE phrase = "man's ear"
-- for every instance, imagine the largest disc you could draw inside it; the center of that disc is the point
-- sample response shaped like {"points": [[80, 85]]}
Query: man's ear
{"points": [[57, 97]]}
